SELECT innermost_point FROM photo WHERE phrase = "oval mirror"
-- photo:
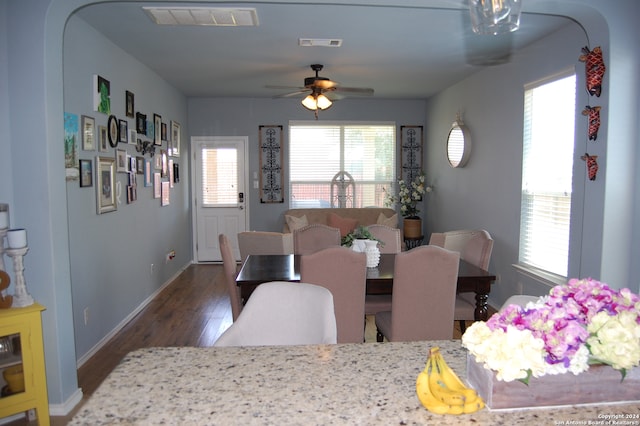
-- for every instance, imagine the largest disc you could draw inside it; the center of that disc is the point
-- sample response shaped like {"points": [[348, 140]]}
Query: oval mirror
{"points": [[458, 145]]}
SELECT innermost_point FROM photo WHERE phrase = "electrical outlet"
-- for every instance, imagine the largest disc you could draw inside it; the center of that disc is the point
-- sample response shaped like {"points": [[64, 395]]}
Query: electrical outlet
{"points": [[86, 316]]}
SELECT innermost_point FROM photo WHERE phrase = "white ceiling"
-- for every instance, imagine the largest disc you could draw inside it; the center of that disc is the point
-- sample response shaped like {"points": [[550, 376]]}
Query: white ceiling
{"points": [[403, 52]]}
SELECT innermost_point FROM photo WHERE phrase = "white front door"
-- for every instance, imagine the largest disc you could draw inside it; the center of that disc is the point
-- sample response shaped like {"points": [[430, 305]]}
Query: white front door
{"points": [[219, 193]]}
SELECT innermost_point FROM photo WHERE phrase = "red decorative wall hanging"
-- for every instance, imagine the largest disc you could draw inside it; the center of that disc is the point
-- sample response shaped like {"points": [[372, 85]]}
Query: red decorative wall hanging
{"points": [[592, 165], [594, 68], [594, 120]]}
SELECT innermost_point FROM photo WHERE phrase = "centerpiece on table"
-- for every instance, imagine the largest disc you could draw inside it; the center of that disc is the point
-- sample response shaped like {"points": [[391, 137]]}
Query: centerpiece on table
{"points": [[579, 344], [409, 195], [361, 240]]}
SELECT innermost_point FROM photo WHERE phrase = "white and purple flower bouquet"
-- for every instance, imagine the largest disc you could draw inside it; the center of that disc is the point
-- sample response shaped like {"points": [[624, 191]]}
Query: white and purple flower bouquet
{"points": [[577, 324]]}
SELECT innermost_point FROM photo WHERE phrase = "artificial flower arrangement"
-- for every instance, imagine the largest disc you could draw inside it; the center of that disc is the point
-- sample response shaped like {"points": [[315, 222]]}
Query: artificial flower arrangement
{"points": [[577, 324], [408, 196]]}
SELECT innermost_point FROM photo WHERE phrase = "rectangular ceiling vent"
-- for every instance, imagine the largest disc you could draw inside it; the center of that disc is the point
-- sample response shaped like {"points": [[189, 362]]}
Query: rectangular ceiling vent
{"points": [[213, 16], [324, 42]]}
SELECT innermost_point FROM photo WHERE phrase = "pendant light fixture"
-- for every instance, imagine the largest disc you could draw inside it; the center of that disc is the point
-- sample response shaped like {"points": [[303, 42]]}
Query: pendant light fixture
{"points": [[495, 16]]}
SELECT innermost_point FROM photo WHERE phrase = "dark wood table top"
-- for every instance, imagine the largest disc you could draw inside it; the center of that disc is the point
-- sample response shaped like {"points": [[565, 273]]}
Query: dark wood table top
{"points": [[263, 268]]}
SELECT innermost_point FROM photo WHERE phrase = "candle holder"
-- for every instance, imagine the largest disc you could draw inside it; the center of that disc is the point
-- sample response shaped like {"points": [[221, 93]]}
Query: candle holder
{"points": [[21, 298]]}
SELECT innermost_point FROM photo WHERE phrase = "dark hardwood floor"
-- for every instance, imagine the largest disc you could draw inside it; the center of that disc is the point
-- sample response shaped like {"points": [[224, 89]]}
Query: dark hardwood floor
{"points": [[193, 310]]}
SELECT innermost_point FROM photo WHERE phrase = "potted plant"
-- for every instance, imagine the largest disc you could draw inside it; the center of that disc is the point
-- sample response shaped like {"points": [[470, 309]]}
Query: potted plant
{"points": [[408, 196], [360, 233]]}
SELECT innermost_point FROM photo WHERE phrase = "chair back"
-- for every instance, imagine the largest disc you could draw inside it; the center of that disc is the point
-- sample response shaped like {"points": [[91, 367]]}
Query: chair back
{"points": [[230, 272], [312, 238], [343, 272], [474, 246], [389, 236], [261, 242], [424, 291], [284, 313]]}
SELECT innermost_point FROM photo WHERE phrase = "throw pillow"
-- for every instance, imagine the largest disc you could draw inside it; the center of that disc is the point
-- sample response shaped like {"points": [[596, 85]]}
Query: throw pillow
{"points": [[296, 222], [389, 221], [344, 224]]}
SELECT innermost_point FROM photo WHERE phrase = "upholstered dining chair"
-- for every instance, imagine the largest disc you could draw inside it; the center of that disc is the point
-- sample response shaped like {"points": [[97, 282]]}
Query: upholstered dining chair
{"points": [[343, 272], [284, 313], [311, 238], [424, 291], [230, 271], [263, 242], [475, 247], [391, 238]]}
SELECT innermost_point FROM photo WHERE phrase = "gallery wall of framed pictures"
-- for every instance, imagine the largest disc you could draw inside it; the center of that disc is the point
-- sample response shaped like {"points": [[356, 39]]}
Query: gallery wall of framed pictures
{"points": [[118, 140]]}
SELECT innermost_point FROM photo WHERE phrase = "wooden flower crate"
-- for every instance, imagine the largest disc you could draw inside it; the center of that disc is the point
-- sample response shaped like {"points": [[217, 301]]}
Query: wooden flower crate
{"points": [[600, 384]]}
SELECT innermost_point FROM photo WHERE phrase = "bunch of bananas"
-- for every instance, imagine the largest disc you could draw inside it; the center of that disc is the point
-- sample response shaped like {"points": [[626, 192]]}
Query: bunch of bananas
{"points": [[441, 391]]}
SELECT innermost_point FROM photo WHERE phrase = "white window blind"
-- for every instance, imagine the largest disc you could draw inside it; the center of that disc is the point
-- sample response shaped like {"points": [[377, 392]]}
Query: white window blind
{"points": [[549, 120], [320, 150], [219, 177]]}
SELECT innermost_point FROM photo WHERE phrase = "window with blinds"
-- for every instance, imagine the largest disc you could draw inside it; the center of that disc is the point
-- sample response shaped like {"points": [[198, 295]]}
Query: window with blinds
{"points": [[547, 166], [219, 177], [318, 151]]}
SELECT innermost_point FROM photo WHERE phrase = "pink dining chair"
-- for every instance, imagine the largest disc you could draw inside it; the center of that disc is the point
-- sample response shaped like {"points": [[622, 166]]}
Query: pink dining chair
{"points": [[230, 272], [474, 246], [391, 238], [344, 272], [311, 238], [424, 292]]}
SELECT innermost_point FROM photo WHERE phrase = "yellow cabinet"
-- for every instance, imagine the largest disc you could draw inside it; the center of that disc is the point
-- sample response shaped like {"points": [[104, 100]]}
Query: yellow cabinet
{"points": [[23, 328]]}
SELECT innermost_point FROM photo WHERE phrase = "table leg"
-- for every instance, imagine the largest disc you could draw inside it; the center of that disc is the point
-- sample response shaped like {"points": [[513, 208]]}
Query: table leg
{"points": [[482, 310]]}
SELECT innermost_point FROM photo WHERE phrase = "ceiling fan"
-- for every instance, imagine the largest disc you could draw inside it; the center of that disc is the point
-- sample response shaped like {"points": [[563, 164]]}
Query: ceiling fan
{"points": [[321, 91]]}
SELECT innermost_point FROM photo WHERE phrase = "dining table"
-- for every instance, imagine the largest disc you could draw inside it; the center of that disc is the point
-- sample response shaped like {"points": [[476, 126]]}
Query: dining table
{"points": [[261, 268], [344, 384]]}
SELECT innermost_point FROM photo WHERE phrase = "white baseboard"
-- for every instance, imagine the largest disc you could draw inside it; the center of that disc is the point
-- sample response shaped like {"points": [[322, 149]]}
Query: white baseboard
{"points": [[84, 358], [65, 408]]}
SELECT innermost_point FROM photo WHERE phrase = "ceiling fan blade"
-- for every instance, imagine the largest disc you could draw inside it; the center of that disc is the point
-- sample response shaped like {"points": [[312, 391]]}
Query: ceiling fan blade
{"points": [[362, 91], [324, 84], [296, 93]]}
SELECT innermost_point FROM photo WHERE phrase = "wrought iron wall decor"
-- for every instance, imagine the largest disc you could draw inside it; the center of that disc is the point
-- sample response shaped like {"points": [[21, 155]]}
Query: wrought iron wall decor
{"points": [[411, 152], [271, 169]]}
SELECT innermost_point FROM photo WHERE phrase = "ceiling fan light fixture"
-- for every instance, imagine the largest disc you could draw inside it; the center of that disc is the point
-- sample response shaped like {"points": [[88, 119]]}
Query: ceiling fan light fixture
{"points": [[316, 101], [495, 16]]}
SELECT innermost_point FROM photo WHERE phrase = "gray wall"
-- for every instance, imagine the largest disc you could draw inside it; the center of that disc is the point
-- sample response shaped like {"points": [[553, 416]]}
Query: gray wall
{"points": [[241, 117], [111, 254], [32, 72]]}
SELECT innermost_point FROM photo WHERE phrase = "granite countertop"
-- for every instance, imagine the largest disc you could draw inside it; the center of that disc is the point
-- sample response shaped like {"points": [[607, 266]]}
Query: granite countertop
{"points": [[347, 384]]}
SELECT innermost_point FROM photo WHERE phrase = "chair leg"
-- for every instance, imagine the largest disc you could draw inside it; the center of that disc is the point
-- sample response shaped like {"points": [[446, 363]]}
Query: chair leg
{"points": [[379, 337], [463, 326]]}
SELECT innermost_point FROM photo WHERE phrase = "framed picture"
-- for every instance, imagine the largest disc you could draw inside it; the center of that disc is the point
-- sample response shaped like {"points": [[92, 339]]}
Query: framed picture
{"points": [[157, 182], [157, 162], [113, 129], [121, 161], [170, 168], [176, 172], [70, 148], [129, 103], [133, 167], [133, 136], [164, 131], [86, 173], [175, 139], [411, 152], [103, 139], [140, 165], [165, 194], [88, 133], [101, 95], [141, 123], [163, 158], [148, 172], [157, 129], [123, 131], [105, 185], [132, 193], [150, 134]]}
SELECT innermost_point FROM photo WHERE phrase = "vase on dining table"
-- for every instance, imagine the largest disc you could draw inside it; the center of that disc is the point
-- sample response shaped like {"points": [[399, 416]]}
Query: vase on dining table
{"points": [[373, 253]]}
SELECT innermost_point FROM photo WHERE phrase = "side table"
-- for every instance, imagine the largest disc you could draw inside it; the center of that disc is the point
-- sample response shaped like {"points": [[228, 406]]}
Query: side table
{"points": [[413, 242]]}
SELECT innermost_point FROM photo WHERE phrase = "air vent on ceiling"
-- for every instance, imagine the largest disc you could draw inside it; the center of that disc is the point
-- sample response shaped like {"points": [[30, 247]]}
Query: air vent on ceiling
{"points": [[325, 42], [214, 16]]}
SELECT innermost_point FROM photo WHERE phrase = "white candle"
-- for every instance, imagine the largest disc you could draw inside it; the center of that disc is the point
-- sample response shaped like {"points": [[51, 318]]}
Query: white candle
{"points": [[17, 238], [4, 220]]}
